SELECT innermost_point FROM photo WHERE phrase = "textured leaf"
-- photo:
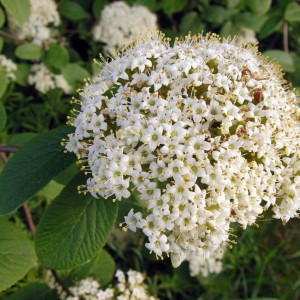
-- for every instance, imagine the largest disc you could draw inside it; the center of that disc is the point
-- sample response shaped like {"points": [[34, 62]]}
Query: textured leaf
{"points": [[74, 228], [292, 12], [101, 267], [29, 51], [18, 9], [2, 116], [72, 11], [30, 169], [17, 254], [36, 291], [285, 59]]}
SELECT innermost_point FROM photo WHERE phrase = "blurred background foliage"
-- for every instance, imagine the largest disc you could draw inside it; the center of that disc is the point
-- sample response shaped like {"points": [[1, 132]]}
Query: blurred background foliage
{"points": [[265, 263]]}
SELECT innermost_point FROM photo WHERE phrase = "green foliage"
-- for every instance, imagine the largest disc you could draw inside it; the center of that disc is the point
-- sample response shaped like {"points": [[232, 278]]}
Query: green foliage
{"points": [[74, 73], [2, 116], [32, 168], [74, 221], [292, 12], [17, 254], [102, 267], [36, 291], [56, 57], [18, 9], [171, 7], [283, 58], [4, 83], [2, 17], [72, 11], [29, 51], [259, 7]]}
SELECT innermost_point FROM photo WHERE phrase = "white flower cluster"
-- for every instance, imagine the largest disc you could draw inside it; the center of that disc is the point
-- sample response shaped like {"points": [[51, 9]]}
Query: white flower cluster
{"points": [[39, 29], [204, 132], [8, 67], [205, 266], [119, 24], [44, 80], [132, 288]]}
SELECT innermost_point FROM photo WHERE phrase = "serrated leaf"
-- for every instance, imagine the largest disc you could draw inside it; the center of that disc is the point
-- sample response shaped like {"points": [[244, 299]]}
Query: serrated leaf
{"points": [[56, 57], [2, 17], [29, 51], [171, 6], [292, 12], [74, 228], [18, 9], [283, 58], [72, 11], [74, 73], [102, 267], [36, 291], [30, 169], [259, 7], [4, 83], [17, 254], [2, 116]]}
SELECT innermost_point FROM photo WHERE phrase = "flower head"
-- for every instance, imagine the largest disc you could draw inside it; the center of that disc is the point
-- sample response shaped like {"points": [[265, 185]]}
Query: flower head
{"points": [[120, 24], [206, 132]]}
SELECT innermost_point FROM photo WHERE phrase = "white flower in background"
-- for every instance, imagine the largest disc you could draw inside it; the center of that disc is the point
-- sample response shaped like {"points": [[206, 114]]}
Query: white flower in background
{"points": [[206, 133], [8, 67], [44, 80], [120, 24], [40, 28], [205, 266], [130, 287]]}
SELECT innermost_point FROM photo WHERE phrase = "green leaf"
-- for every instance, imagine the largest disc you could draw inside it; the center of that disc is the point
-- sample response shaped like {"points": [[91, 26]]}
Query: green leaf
{"points": [[56, 57], [214, 14], [171, 6], [74, 73], [2, 116], [232, 3], [271, 25], [228, 29], [22, 74], [18, 9], [1, 43], [72, 11], [98, 6], [191, 22], [74, 228], [36, 291], [285, 59], [29, 51], [17, 254], [4, 83], [251, 20], [292, 12], [2, 17], [102, 267], [30, 169], [259, 7]]}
